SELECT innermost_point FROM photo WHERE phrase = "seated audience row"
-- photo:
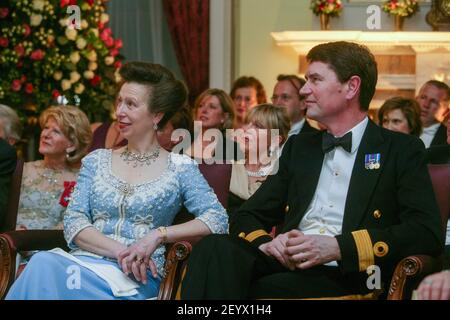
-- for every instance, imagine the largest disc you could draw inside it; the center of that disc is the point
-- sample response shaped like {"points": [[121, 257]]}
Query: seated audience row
{"points": [[125, 200], [109, 194]]}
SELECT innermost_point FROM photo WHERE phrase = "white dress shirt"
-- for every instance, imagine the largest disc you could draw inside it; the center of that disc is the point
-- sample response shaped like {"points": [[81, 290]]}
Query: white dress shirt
{"points": [[428, 134], [325, 213], [296, 127]]}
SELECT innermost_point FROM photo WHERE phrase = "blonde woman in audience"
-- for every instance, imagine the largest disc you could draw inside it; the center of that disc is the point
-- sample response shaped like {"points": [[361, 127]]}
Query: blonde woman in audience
{"points": [[214, 114], [261, 147], [47, 183]]}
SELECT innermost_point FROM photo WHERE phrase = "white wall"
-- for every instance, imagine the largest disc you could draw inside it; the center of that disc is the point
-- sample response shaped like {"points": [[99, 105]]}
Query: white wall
{"points": [[256, 53]]}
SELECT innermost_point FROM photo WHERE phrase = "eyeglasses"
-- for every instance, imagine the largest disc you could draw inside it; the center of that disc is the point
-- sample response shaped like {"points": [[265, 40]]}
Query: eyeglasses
{"points": [[282, 97]]}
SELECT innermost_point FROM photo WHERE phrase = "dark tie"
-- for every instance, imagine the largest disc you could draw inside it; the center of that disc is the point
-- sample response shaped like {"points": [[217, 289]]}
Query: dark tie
{"points": [[329, 142]]}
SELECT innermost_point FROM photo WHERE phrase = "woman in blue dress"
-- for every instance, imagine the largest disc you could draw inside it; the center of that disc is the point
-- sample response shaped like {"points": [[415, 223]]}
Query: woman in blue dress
{"points": [[121, 211]]}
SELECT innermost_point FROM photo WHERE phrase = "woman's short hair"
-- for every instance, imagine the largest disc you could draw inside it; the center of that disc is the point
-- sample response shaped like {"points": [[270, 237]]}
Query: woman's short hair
{"points": [[409, 107], [75, 126], [11, 123], [225, 101], [269, 117], [245, 82], [166, 94]]}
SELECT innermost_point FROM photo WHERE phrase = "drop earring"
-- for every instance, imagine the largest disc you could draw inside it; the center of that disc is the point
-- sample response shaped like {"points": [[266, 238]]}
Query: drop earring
{"points": [[155, 126]]}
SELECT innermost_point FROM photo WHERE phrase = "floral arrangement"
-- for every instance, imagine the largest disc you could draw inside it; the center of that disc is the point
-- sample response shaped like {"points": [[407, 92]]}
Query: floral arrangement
{"points": [[328, 7], [43, 58], [403, 8]]}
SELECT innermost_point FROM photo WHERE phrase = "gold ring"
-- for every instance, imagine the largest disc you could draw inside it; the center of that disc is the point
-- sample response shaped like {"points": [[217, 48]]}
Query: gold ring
{"points": [[139, 260]]}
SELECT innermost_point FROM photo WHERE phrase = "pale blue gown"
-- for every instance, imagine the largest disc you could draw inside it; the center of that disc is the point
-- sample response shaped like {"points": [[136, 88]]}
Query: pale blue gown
{"points": [[124, 213]]}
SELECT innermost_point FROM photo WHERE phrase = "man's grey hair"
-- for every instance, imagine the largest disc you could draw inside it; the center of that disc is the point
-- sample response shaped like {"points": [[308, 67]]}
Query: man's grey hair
{"points": [[11, 123]]}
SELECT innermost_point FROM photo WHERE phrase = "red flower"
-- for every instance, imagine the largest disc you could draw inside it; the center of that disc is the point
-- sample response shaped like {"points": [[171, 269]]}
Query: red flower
{"points": [[114, 52], [106, 34], [109, 42], [64, 3], [65, 196], [119, 43], [4, 42], [4, 12], [37, 55], [16, 85], [100, 25], [96, 80], [20, 50], [118, 64], [27, 30], [29, 88], [55, 94], [91, 2], [23, 78]]}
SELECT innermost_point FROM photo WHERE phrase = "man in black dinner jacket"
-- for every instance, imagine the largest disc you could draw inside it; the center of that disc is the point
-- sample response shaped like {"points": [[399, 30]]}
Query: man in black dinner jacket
{"points": [[7, 166], [356, 198]]}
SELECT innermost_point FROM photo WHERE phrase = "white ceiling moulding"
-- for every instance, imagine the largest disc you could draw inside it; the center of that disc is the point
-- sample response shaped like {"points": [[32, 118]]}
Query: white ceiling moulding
{"points": [[379, 42], [396, 82]]}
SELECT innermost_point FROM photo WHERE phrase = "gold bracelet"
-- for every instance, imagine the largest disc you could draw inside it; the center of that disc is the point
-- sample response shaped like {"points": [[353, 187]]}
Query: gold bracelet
{"points": [[163, 231]]}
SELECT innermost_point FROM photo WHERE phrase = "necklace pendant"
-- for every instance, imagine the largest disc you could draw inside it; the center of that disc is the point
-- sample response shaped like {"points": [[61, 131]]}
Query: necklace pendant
{"points": [[126, 189]]}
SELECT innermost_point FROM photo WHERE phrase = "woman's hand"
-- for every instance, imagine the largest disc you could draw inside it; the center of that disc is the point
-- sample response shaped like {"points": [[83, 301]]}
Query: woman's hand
{"points": [[136, 258], [435, 287]]}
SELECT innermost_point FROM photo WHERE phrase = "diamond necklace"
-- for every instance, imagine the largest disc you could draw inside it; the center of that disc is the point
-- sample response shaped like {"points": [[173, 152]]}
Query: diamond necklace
{"points": [[140, 159]]}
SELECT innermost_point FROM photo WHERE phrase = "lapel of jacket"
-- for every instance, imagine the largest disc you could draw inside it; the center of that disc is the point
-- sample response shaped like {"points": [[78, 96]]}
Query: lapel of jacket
{"points": [[307, 127], [440, 138], [363, 181], [308, 160]]}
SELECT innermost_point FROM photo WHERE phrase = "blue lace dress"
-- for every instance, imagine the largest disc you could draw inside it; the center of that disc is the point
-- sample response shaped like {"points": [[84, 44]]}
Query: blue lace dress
{"points": [[124, 213]]}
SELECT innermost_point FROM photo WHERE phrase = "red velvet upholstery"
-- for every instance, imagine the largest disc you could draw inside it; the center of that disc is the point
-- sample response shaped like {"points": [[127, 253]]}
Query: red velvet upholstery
{"points": [[218, 177], [411, 270], [440, 177]]}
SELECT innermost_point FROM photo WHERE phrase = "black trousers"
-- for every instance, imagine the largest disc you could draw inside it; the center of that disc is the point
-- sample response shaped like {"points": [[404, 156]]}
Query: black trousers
{"points": [[225, 267]]}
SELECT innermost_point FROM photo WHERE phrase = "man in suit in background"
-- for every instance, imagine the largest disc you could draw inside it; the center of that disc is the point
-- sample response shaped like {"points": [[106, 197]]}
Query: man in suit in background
{"points": [[433, 97], [354, 199], [440, 154], [7, 165], [286, 93]]}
